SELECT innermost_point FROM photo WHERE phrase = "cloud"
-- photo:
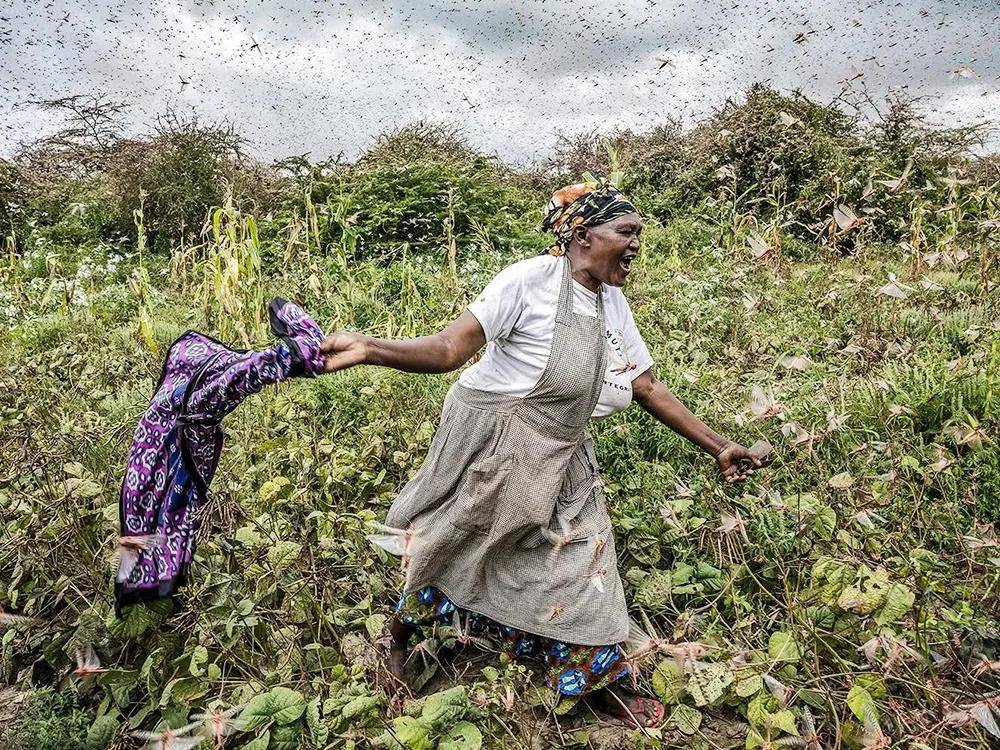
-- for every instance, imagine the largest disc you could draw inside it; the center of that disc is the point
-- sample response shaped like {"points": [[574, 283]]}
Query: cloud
{"points": [[324, 78]]}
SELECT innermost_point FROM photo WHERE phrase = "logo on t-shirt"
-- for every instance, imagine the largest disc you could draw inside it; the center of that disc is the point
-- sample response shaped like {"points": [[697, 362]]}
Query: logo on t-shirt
{"points": [[616, 375]]}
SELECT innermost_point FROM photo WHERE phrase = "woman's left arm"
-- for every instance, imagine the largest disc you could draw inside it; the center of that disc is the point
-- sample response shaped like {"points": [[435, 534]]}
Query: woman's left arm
{"points": [[735, 461]]}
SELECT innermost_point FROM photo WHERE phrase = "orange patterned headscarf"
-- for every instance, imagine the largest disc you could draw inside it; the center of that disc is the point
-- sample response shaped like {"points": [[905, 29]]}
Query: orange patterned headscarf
{"points": [[582, 204]]}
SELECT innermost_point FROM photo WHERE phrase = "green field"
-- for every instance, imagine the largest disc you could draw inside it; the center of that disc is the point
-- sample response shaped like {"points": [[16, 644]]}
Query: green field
{"points": [[828, 286]]}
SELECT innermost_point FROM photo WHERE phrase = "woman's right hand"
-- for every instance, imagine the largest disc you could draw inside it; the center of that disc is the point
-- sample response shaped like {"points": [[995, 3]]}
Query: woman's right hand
{"points": [[343, 349]]}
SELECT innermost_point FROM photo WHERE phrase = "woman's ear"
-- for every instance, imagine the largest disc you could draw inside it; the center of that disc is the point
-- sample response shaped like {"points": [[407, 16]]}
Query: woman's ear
{"points": [[582, 236]]}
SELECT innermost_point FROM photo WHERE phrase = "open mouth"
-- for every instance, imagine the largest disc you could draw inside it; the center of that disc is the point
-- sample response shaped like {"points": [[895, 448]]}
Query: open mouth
{"points": [[626, 263]]}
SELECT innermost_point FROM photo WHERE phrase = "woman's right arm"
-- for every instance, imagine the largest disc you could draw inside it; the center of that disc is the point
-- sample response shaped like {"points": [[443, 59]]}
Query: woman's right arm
{"points": [[442, 352]]}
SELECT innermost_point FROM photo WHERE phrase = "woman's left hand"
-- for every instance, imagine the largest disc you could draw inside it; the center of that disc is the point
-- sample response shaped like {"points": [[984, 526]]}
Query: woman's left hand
{"points": [[736, 462]]}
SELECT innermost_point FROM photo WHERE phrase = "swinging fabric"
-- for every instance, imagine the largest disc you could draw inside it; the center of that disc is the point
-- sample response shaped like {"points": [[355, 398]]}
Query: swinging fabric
{"points": [[177, 443]]}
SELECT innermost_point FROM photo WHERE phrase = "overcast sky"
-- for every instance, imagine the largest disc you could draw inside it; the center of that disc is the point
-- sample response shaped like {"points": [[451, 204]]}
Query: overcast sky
{"points": [[326, 77]]}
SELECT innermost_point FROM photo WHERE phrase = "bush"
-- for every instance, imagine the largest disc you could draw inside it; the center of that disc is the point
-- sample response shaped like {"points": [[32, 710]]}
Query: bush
{"points": [[420, 188], [11, 200], [50, 721], [179, 173]]}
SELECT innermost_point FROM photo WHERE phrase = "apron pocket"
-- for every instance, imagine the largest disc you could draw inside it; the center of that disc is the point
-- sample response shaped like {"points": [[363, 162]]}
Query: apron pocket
{"points": [[581, 511], [481, 493]]}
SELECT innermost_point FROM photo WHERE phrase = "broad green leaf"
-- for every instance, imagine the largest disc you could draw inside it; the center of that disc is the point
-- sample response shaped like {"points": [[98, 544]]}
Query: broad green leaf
{"points": [[198, 657], [654, 590], [412, 733], [374, 625], [781, 647], [446, 706], [867, 594], [282, 554], [101, 732], [860, 701], [275, 489], [824, 521], [566, 704], [785, 721], [249, 536], [686, 719], [260, 742], [759, 710], [898, 600], [707, 684], [318, 731], [257, 712], [463, 736], [286, 705], [822, 616], [288, 737], [360, 705], [749, 686], [667, 681]]}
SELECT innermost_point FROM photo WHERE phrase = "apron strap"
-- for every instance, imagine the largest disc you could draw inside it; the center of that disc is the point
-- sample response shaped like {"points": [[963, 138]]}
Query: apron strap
{"points": [[564, 309]]}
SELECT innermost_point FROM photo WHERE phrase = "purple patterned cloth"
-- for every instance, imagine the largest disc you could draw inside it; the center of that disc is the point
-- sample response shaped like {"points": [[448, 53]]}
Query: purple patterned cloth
{"points": [[177, 443]]}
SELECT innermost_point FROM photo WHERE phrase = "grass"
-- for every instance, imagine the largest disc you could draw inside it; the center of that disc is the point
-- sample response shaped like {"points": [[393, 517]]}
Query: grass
{"points": [[876, 521]]}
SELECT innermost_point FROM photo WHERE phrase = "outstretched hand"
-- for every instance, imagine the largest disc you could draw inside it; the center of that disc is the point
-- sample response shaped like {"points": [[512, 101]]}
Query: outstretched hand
{"points": [[737, 463], [343, 349]]}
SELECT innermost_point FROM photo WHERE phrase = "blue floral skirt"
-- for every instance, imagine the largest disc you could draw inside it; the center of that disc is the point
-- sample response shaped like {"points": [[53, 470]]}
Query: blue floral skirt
{"points": [[572, 669]]}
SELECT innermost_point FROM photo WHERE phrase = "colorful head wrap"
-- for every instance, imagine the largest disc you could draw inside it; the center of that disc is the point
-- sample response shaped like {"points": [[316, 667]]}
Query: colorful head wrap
{"points": [[583, 204]]}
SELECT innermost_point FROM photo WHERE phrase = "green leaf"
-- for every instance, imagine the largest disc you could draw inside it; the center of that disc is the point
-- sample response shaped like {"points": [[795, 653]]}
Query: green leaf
{"points": [[286, 705], [101, 732], [447, 706], [275, 489], [249, 536], [490, 674], [860, 701], [868, 592], [260, 742], [759, 710], [374, 625], [198, 657], [182, 690], [667, 681], [824, 521], [822, 616], [707, 685], [749, 686], [318, 731], [257, 712], [463, 736], [686, 719], [566, 704], [139, 618], [785, 721], [898, 600], [360, 705], [282, 554], [412, 733], [781, 647], [654, 590], [288, 737]]}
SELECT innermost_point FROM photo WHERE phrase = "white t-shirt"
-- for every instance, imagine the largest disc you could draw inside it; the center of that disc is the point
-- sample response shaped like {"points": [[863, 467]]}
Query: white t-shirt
{"points": [[517, 310]]}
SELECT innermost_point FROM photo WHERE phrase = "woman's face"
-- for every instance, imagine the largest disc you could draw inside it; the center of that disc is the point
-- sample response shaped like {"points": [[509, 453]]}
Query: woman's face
{"points": [[613, 246]]}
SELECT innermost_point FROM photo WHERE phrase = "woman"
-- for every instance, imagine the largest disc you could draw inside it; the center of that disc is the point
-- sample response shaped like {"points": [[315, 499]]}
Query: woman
{"points": [[507, 532]]}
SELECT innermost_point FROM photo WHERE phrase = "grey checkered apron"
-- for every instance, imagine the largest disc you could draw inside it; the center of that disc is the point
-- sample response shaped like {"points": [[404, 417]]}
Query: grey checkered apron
{"points": [[507, 510]]}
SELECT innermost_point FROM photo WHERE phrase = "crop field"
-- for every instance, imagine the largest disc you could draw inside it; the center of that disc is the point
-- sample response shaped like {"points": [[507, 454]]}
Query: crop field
{"points": [[824, 284]]}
